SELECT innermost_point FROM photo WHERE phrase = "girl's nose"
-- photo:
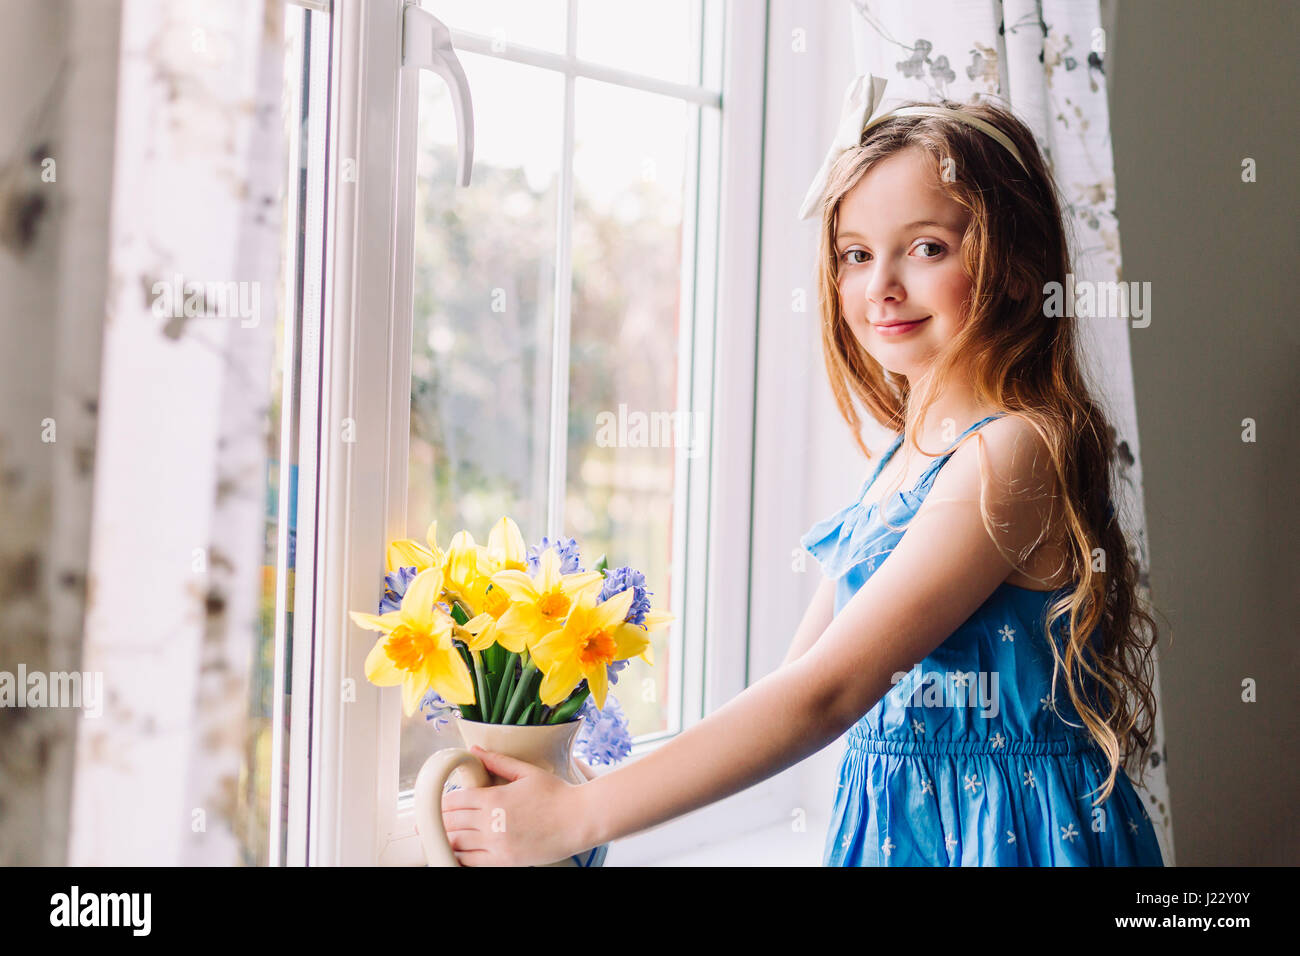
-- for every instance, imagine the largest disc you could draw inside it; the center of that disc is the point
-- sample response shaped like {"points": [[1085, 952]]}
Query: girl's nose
{"points": [[885, 285]]}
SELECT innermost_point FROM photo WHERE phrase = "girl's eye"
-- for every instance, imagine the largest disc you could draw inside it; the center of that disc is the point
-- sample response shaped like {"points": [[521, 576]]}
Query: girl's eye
{"points": [[862, 252]]}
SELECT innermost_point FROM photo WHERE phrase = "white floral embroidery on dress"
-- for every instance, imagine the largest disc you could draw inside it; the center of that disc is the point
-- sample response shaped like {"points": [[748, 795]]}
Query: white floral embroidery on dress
{"points": [[1008, 633], [998, 740], [1029, 778], [1069, 832], [972, 783], [886, 847]]}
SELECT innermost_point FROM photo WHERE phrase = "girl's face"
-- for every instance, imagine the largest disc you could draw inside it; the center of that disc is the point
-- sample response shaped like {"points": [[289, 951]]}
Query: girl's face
{"points": [[899, 250]]}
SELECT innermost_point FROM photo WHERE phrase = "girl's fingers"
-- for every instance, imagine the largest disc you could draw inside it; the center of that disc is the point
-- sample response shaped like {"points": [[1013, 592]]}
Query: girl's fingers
{"points": [[454, 800], [463, 841], [458, 820]]}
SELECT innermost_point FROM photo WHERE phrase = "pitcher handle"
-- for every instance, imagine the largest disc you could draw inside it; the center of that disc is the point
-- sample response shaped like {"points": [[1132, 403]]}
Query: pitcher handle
{"points": [[428, 800]]}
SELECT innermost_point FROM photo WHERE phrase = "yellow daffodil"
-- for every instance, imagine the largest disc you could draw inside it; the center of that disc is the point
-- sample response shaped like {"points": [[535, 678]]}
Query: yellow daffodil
{"points": [[505, 552], [593, 637], [416, 649], [466, 563], [538, 605], [506, 547], [654, 621], [409, 553]]}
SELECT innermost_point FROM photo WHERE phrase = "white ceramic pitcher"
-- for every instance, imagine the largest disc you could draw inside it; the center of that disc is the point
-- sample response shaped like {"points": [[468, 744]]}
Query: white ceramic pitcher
{"points": [[549, 746]]}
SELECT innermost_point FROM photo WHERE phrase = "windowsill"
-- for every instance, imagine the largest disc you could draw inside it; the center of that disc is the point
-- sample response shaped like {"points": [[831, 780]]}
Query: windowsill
{"points": [[777, 844], [779, 822]]}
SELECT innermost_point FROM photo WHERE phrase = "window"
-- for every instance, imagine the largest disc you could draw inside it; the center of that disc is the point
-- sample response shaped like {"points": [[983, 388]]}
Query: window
{"points": [[276, 746], [554, 307], [475, 339]]}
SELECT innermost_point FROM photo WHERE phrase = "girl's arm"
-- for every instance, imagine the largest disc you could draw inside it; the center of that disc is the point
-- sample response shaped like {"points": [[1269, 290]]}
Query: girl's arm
{"points": [[942, 570], [815, 621]]}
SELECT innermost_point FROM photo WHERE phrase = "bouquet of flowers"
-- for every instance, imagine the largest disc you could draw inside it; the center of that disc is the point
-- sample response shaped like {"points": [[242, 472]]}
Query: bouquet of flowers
{"points": [[507, 635]]}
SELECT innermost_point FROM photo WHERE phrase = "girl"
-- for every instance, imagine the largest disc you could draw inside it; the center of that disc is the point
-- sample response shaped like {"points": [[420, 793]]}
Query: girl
{"points": [[978, 631]]}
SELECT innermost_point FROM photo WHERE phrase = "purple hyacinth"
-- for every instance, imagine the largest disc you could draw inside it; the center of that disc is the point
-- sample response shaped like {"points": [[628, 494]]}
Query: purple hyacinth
{"points": [[437, 710], [395, 585], [566, 548], [619, 580], [603, 736], [613, 669]]}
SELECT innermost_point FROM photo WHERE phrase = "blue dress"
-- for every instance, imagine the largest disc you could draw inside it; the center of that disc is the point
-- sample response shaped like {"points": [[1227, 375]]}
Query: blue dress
{"points": [[965, 762]]}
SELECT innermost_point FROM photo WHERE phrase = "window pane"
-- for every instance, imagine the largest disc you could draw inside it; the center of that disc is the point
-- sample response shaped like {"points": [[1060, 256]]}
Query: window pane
{"points": [[263, 811], [624, 423], [484, 286], [656, 39], [534, 23]]}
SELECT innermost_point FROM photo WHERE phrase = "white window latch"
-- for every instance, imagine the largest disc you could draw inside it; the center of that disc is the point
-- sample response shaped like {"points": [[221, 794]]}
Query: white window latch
{"points": [[426, 45]]}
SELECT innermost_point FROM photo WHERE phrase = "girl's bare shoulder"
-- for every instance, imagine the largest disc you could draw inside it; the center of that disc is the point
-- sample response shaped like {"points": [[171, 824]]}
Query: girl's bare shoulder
{"points": [[1007, 465]]}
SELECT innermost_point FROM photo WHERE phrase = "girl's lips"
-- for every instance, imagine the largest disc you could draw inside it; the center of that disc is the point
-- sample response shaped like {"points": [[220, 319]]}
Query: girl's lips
{"points": [[901, 329]]}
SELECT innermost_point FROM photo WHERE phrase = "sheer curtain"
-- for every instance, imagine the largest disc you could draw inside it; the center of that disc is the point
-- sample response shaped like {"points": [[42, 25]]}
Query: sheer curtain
{"points": [[139, 253], [179, 485], [1048, 58], [58, 68]]}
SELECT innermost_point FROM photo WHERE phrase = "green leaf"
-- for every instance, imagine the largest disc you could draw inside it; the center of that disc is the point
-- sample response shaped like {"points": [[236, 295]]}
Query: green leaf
{"points": [[523, 719], [570, 707], [458, 613], [602, 565]]}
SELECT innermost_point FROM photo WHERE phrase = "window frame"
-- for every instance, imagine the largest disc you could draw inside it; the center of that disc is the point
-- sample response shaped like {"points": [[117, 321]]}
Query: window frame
{"points": [[365, 377]]}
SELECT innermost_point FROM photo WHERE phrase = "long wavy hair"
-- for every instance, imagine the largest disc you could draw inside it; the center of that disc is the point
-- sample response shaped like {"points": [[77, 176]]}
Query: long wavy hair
{"points": [[1025, 364]]}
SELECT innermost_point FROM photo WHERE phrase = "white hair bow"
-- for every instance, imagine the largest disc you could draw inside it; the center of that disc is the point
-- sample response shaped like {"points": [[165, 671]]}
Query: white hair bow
{"points": [[861, 99], [857, 115]]}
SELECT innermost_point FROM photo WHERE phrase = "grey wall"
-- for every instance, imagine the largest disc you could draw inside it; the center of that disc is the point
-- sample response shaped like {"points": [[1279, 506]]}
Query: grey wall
{"points": [[1195, 87]]}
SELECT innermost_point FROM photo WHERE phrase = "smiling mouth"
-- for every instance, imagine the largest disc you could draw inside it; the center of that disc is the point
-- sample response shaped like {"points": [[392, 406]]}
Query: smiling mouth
{"points": [[899, 328]]}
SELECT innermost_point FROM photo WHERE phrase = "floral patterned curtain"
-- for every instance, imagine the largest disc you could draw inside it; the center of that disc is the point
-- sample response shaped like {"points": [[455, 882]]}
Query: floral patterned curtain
{"points": [[56, 131], [138, 270], [179, 487], [1048, 59]]}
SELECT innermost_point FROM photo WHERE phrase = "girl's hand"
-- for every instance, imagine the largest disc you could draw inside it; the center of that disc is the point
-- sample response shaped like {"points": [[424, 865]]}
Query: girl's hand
{"points": [[534, 819]]}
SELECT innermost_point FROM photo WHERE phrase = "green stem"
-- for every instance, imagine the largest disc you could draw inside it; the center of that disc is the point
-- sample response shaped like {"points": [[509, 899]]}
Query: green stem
{"points": [[503, 692], [521, 691], [523, 719], [484, 701], [468, 711]]}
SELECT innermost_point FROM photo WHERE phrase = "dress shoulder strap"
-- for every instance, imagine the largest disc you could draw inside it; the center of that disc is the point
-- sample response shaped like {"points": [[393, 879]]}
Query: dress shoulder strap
{"points": [[933, 468], [880, 465]]}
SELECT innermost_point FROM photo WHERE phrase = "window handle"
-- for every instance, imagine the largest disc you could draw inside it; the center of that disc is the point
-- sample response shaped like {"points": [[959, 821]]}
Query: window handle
{"points": [[426, 45]]}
